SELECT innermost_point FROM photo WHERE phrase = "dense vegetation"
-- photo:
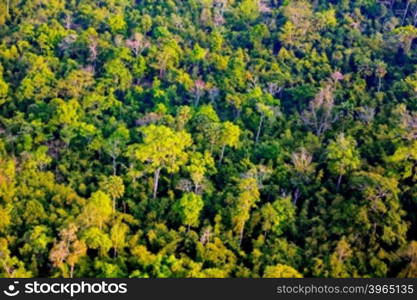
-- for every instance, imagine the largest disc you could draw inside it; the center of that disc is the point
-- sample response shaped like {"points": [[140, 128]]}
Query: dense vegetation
{"points": [[208, 138]]}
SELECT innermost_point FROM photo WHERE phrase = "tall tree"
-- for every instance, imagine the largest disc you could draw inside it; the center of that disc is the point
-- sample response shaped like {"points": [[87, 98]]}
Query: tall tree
{"points": [[229, 136], [244, 202], [163, 148], [343, 156]]}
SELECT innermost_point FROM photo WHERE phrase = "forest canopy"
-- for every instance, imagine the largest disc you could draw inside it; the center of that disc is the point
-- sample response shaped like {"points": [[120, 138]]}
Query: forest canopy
{"points": [[208, 138]]}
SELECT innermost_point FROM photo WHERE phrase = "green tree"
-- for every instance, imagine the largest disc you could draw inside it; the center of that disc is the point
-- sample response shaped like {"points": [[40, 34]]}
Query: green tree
{"points": [[281, 271], [199, 166], [163, 148], [265, 112], [97, 210], [4, 86], [343, 156], [405, 36], [118, 236], [277, 216], [247, 198], [115, 144], [229, 136], [113, 186], [189, 208], [95, 238]]}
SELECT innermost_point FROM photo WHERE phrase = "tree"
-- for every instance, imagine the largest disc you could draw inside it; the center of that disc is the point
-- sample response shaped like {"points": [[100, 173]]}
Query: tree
{"points": [[4, 87], [138, 43], [405, 36], [198, 53], [11, 266], [320, 114], [95, 238], [200, 165], [378, 225], [248, 196], [343, 156], [118, 236], [163, 148], [338, 259], [298, 25], [281, 271], [276, 216], [115, 144], [7, 178], [113, 186], [265, 111], [406, 11], [410, 253], [182, 117], [189, 208], [168, 56], [249, 10], [229, 136], [380, 72], [38, 82], [198, 90], [208, 125], [75, 84], [97, 211], [119, 74], [69, 249], [302, 169]]}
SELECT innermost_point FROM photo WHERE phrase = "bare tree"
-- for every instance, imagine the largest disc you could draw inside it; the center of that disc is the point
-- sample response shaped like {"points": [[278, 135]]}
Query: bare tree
{"points": [[273, 88], [366, 114], [206, 236], [302, 168], [219, 7], [320, 114], [380, 72], [185, 185], [198, 90], [137, 44], [69, 249], [264, 7], [68, 21], [149, 118], [67, 42], [213, 93], [93, 49], [406, 11], [409, 124]]}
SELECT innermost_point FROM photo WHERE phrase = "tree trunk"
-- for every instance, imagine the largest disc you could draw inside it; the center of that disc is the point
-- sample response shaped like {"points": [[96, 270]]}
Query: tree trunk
{"points": [[114, 164], [197, 100], [241, 234], [415, 18], [259, 129], [405, 13], [296, 195], [72, 271], [222, 155], [379, 83], [155, 182], [339, 180]]}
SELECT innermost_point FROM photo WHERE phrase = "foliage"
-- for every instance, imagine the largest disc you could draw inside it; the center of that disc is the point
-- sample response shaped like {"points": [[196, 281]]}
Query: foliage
{"points": [[208, 138]]}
